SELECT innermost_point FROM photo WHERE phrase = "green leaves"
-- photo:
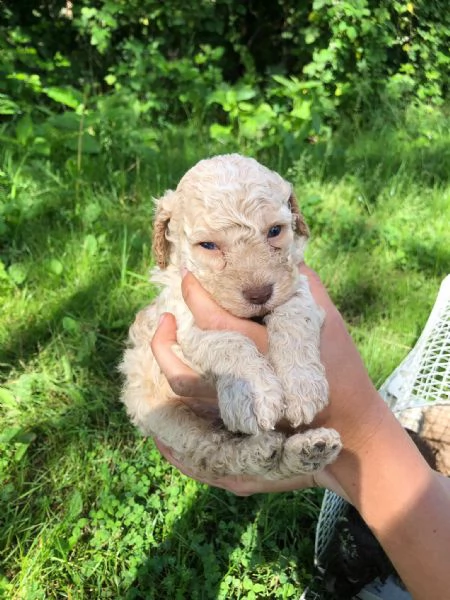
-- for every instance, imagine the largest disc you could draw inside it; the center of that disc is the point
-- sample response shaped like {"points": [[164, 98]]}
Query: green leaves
{"points": [[7, 399], [85, 143], [15, 439], [68, 96], [18, 273], [55, 266], [8, 106], [232, 98], [24, 130], [165, 64]]}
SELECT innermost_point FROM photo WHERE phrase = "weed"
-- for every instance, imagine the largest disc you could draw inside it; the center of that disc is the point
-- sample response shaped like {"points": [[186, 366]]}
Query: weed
{"points": [[87, 508]]}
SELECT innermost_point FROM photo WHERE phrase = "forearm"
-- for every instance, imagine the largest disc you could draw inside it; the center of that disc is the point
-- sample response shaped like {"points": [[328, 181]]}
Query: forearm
{"points": [[380, 471], [405, 503]]}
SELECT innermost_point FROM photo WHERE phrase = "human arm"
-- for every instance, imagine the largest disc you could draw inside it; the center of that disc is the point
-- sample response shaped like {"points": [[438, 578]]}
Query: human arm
{"points": [[406, 504]]}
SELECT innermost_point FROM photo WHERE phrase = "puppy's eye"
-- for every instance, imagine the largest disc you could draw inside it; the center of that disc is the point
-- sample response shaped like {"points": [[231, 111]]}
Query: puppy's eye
{"points": [[274, 231], [208, 245]]}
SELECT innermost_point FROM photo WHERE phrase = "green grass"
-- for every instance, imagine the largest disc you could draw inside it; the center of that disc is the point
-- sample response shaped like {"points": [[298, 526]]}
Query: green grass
{"points": [[87, 508]]}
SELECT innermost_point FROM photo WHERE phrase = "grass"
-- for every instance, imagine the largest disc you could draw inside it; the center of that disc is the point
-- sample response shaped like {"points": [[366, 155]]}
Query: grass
{"points": [[87, 508]]}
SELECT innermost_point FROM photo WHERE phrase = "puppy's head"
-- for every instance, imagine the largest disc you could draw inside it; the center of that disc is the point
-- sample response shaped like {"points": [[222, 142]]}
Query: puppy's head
{"points": [[236, 225]]}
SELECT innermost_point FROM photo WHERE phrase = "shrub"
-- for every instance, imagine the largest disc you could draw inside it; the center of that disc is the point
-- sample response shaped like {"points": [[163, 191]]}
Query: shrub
{"points": [[281, 71]]}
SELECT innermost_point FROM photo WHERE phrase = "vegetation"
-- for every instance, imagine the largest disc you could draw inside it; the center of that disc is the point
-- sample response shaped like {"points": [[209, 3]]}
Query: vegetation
{"points": [[104, 105]]}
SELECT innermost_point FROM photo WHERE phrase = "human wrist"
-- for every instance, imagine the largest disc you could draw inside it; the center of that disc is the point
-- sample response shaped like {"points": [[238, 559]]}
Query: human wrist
{"points": [[381, 472], [355, 413]]}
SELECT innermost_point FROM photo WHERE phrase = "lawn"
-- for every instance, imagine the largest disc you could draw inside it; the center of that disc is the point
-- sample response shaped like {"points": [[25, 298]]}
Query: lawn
{"points": [[88, 509]]}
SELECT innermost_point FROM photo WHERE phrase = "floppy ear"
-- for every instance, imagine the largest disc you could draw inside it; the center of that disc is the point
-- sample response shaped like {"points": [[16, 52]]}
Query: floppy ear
{"points": [[160, 243], [300, 226]]}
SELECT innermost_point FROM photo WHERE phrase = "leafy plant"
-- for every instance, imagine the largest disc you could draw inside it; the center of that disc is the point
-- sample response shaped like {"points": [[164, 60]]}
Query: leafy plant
{"points": [[103, 106]]}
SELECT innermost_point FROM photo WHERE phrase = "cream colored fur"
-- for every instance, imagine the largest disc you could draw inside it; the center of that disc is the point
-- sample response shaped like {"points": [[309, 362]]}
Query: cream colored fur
{"points": [[257, 239]]}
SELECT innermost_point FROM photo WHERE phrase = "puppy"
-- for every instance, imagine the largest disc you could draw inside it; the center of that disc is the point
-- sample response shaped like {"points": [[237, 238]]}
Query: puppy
{"points": [[236, 226]]}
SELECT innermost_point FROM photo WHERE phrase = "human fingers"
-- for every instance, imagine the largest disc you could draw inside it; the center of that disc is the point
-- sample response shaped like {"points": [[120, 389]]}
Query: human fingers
{"points": [[230, 483], [354, 408], [248, 485], [183, 380], [167, 452], [239, 485], [325, 479], [209, 315]]}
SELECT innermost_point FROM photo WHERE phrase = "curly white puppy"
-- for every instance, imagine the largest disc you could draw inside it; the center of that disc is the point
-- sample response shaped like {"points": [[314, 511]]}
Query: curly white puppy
{"points": [[235, 225]]}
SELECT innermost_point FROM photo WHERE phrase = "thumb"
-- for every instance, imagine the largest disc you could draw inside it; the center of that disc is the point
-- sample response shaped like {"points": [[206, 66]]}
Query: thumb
{"points": [[205, 310], [210, 315]]}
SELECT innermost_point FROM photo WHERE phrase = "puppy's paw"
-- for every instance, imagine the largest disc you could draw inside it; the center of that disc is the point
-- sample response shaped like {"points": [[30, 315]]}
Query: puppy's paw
{"points": [[304, 398], [311, 451], [249, 407]]}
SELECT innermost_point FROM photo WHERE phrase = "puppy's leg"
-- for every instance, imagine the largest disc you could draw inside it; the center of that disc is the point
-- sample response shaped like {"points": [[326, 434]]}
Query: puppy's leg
{"points": [[207, 448], [155, 410], [294, 352], [210, 449], [309, 452], [250, 394]]}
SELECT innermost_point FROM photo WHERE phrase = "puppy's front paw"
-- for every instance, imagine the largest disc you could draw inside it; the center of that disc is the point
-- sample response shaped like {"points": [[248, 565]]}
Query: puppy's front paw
{"points": [[304, 398], [311, 451], [249, 407]]}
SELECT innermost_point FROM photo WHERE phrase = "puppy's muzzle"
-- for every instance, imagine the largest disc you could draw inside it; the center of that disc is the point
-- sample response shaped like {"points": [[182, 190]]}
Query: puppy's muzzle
{"points": [[258, 295]]}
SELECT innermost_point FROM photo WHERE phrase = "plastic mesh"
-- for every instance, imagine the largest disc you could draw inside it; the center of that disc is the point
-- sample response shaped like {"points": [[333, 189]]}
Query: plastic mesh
{"points": [[418, 392], [432, 377], [424, 375], [333, 507]]}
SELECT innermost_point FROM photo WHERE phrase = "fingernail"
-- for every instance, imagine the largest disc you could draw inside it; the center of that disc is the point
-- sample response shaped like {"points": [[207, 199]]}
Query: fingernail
{"points": [[161, 318], [184, 272]]}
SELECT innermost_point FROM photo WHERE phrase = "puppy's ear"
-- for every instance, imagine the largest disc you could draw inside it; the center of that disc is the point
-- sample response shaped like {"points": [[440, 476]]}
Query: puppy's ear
{"points": [[160, 243], [300, 226]]}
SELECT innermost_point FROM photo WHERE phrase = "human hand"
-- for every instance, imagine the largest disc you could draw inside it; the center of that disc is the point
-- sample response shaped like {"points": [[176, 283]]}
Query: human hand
{"points": [[353, 409], [380, 471]]}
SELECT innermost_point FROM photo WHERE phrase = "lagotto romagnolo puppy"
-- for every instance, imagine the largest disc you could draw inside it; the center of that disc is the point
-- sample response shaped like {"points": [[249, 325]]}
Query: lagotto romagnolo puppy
{"points": [[235, 225]]}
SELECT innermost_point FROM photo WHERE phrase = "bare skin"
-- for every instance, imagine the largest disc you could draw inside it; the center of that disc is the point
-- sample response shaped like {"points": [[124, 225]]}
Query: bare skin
{"points": [[380, 471]]}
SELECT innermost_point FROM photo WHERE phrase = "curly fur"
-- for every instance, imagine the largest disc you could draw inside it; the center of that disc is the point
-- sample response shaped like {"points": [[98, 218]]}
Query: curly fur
{"points": [[250, 268]]}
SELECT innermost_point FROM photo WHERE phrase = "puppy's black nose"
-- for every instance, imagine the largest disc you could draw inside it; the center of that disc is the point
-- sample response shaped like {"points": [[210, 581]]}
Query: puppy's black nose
{"points": [[258, 295]]}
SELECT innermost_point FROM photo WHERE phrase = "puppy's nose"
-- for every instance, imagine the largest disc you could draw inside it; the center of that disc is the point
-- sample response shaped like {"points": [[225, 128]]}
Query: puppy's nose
{"points": [[258, 295]]}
